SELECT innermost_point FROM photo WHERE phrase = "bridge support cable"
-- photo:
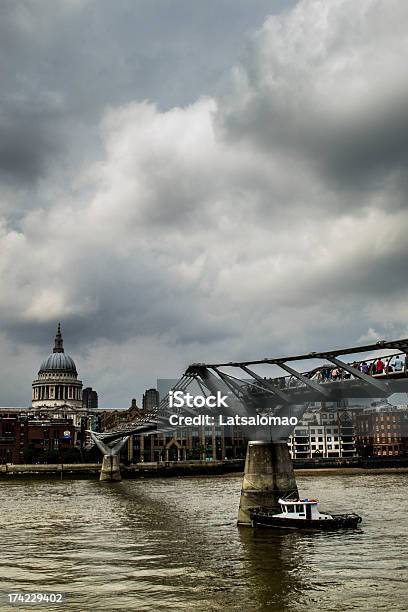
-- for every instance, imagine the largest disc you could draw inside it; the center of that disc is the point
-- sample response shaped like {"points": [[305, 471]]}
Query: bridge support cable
{"points": [[230, 382], [306, 381], [202, 389], [251, 410], [268, 386]]}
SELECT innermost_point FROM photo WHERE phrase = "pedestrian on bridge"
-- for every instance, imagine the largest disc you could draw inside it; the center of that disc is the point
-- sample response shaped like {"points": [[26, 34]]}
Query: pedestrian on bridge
{"points": [[364, 367], [379, 366], [398, 364]]}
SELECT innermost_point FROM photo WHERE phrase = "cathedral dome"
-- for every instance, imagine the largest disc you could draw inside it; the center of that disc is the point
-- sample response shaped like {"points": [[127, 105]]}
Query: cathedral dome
{"points": [[57, 385], [58, 361]]}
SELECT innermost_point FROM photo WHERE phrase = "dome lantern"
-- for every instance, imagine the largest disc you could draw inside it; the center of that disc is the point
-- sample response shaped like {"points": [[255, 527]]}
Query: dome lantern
{"points": [[59, 342]]}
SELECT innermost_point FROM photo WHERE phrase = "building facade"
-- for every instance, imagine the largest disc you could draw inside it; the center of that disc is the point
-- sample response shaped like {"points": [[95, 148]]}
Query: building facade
{"points": [[191, 443], [27, 437], [322, 434], [382, 433], [89, 398], [150, 400]]}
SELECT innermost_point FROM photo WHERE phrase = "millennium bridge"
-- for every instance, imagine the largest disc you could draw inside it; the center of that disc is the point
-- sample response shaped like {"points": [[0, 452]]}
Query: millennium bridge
{"points": [[269, 471]]}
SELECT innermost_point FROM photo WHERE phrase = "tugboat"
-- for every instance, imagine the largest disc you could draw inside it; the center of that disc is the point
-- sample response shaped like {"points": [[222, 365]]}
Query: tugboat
{"points": [[301, 514]]}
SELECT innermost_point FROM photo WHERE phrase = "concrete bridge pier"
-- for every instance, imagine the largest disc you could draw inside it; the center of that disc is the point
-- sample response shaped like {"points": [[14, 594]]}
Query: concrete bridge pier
{"points": [[110, 470], [268, 476]]}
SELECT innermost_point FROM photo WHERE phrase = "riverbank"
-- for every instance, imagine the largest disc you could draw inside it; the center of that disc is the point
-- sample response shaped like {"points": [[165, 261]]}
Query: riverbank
{"points": [[350, 470], [137, 470], [188, 468]]}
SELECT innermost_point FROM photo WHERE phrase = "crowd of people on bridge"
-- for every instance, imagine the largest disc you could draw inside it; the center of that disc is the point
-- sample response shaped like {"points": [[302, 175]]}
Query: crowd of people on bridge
{"points": [[373, 368], [329, 373]]}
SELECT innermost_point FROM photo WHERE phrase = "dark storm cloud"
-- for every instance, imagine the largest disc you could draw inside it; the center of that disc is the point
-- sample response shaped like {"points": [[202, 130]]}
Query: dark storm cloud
{"points": [[29, 140], [63, 63], [361, 150], [323, 86]]}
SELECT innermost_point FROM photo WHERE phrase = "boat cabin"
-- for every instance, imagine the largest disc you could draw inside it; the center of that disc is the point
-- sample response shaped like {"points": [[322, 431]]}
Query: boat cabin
{"points": [[301, 509]]}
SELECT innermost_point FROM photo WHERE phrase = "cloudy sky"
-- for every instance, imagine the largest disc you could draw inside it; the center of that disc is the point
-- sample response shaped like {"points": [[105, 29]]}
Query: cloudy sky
{"points": [[189, 181]]}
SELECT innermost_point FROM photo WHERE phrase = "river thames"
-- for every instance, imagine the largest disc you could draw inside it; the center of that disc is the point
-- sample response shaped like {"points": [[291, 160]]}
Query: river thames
{"points": [[160, 544]]}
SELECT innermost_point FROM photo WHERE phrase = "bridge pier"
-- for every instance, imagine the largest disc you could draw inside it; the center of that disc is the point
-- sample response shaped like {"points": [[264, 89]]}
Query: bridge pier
{"points": [[110, 470], [268, 476]]}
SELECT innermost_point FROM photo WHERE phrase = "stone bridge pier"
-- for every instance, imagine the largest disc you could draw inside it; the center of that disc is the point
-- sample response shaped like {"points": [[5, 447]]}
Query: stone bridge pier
{"points": [[110, 470], [268, 476]]}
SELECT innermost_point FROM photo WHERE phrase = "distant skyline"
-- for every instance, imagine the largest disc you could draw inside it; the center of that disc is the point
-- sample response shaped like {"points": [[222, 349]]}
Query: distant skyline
{"points": [[187, 182]]}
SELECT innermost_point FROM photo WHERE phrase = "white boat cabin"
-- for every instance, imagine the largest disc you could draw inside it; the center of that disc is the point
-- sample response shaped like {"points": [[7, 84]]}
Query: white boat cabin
{"points": [[301, 509]]}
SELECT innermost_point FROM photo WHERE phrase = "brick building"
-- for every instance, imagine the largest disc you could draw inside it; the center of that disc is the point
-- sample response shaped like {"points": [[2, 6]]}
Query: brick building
{"points": [[382, 433], [25, 437]]}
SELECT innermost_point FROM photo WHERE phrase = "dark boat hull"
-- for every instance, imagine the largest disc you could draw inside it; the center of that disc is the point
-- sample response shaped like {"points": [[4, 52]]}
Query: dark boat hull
{"points": [[342, 521]]}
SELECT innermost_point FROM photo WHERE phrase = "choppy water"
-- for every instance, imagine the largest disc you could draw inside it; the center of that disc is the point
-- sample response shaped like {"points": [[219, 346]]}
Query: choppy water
{"points": [[173, 544]]}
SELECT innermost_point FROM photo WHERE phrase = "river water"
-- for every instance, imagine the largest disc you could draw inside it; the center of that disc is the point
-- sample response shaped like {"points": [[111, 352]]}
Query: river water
{"points": [[160, 544]]}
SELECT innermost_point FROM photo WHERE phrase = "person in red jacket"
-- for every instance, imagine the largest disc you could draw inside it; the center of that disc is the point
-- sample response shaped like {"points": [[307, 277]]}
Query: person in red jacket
{"points": [[379, 366]]}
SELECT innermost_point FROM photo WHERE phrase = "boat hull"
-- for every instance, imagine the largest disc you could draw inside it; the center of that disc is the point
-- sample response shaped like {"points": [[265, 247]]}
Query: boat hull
{"points": [[342, 521]]}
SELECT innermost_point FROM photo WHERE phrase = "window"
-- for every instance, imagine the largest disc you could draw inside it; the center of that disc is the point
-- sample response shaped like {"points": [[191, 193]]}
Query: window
{"points": [[301, 509], [290, 508]]}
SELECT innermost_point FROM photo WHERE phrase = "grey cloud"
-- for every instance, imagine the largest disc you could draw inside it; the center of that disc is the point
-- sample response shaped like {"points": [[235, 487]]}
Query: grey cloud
{"points": [[29, 140], [327, 85], [63, 64]]}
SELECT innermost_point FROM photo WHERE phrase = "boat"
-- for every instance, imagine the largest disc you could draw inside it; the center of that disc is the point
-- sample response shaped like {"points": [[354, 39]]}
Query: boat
{"points": [[301, 514]]}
